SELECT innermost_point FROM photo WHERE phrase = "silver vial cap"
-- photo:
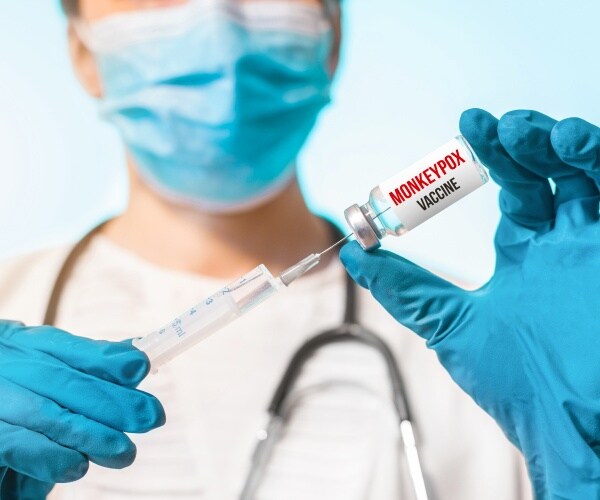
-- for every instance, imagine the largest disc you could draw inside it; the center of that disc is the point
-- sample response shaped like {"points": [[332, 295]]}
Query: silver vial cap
{"points": [[364, 230]]}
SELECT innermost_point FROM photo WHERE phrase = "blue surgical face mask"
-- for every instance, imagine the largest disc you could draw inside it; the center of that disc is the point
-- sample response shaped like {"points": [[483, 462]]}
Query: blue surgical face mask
{"points": [[214, 99]]}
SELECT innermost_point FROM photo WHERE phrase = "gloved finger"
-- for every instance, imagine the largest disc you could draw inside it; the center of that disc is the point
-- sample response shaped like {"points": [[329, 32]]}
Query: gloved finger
{"points": [[117, 362], [123, 409], [577, 143], [526, 198], [526, 137], [100, 444], [430, 306], [35, 455]]}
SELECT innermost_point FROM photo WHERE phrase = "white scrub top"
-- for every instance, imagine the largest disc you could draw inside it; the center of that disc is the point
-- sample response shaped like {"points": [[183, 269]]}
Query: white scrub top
{"points": [[342, 439]]}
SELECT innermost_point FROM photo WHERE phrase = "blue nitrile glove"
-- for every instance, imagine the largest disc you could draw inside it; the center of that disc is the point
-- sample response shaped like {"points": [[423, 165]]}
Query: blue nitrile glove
{"points": [[525, 346], [64, 401]]}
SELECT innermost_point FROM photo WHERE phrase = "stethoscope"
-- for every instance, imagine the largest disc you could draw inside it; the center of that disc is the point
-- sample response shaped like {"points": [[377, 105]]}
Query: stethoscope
{"points": [[349, 331]]}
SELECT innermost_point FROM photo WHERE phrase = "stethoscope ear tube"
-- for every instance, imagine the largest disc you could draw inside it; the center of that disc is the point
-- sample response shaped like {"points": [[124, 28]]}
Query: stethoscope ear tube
{"points": [[348, 331], [268, 436], [64, 274], [344, 333]]}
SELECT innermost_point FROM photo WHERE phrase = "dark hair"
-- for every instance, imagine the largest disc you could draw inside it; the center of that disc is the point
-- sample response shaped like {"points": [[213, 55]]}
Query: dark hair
{"points": [[71, 7]]}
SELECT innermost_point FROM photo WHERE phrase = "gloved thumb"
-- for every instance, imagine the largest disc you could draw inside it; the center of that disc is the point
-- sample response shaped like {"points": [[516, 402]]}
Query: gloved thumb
{"points": [[427, 304]]}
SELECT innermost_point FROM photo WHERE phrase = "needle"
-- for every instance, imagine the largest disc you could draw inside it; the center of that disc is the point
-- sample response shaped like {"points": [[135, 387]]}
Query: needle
{"points": [[301, 268], [337, 243], [381, 213]]}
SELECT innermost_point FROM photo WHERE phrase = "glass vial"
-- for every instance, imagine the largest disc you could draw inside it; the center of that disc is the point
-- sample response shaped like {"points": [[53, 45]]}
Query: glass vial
{"points": [[417, 193]]}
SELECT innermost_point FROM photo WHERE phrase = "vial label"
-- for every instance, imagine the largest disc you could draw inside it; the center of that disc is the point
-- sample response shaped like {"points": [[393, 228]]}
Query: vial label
{"points": [[433, 183]]}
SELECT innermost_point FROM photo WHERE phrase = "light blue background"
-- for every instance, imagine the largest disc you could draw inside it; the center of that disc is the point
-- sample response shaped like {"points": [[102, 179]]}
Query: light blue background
{"points": [[409, 69]]}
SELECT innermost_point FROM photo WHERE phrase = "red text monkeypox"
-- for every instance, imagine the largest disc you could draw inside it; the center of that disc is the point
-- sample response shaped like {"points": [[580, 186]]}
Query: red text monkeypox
{"points": [[440, 169]]}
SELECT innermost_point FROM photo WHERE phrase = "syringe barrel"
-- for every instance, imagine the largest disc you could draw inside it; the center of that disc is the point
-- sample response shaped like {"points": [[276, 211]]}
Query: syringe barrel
{"points": [[209, 316]]}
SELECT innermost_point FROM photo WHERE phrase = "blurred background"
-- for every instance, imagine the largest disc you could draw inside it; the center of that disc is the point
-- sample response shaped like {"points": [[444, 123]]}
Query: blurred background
{"points": [[408, 70]]}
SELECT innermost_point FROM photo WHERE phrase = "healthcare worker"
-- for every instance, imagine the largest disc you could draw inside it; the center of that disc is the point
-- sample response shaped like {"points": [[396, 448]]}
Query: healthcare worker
{"points": [[214, 101]]}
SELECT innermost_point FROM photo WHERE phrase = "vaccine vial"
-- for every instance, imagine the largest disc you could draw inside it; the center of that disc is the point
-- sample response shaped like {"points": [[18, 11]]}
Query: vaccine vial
{"points": [[417, 193]]}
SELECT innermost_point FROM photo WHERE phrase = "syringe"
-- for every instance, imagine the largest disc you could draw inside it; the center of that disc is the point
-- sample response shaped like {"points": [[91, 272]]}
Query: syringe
{"points": [[220, 309]]}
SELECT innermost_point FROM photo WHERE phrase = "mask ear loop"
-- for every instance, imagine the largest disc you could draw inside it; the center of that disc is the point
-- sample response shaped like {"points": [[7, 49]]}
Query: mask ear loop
{"points": [[82, 28]]}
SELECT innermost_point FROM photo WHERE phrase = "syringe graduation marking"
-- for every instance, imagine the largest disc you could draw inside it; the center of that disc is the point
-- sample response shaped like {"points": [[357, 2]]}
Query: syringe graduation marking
{"points": [[210, 315], [229, 289], [245, 280]]}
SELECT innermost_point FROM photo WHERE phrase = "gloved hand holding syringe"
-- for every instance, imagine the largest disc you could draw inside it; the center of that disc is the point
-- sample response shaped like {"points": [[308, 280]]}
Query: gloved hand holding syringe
{"points": [[395, 206]]}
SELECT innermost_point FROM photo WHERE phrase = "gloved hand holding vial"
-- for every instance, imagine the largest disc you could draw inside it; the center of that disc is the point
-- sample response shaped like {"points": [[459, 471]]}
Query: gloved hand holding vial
{"points": [[525, 345], [395, 207]]}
